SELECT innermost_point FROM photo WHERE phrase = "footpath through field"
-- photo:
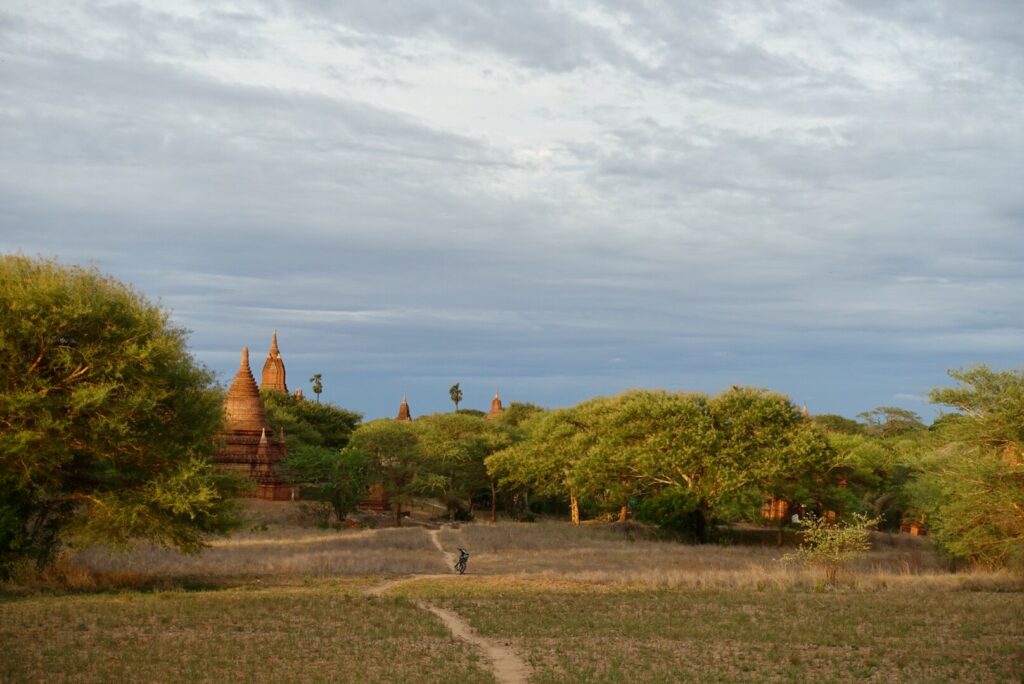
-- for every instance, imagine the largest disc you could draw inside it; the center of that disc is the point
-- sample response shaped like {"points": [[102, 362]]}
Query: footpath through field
{"points": [[506, 665]]}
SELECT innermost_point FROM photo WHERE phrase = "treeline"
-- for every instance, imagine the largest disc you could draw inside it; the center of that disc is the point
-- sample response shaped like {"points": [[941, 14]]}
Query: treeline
{"points": [[109, 427], [688, 460]]}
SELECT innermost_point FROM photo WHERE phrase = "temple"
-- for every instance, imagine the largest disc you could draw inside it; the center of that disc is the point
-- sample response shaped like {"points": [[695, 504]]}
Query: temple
{"points": [[496, 408], [403, 410], [249, 447], [273, 369]]}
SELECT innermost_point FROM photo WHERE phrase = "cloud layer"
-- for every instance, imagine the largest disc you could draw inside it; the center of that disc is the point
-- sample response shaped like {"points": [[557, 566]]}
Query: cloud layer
{"points": [[552, 199]]}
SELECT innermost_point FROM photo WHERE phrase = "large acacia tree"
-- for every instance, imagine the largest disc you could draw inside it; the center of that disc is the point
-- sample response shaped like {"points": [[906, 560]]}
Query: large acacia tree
{"points": [[107, 422], [972, 485]]}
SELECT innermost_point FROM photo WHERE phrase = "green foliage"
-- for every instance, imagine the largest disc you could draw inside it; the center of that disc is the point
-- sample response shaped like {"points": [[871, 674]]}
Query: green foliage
{"points": [[318, 385], [107, 420], [972, 488], [456, 395], [832, 423], [394, 447], [877, 473], [309, 424], [609, 450], [453, 447], [339, 477], [890, 421], [672, 509], [831, 545], [992, 405]]}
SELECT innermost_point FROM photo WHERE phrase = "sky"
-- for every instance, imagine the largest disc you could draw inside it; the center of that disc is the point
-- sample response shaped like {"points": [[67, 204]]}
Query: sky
{"points": [[554, 200]]}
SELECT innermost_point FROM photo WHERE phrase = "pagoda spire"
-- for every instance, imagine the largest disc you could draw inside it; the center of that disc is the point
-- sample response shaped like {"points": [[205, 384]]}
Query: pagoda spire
{"points": [[273, 369], [496, 407], [403, 410]]}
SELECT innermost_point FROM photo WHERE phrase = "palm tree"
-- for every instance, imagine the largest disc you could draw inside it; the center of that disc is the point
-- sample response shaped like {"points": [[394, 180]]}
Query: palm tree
{"points": [[456, 394], [318, 385]]}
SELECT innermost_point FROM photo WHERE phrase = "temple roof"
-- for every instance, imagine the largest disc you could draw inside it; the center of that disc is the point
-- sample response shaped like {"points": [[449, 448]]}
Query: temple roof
{"points": [[403, 410], [243, 407], [496, 407], [273, 369]]}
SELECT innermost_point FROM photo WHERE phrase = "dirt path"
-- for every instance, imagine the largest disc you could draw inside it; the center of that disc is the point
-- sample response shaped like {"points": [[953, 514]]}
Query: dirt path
{"points": [[435, 536], [507, 667]]}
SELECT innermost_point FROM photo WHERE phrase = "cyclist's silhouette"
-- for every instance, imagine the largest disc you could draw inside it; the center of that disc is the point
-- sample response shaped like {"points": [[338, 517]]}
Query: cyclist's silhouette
{"points": [[460, 567]]}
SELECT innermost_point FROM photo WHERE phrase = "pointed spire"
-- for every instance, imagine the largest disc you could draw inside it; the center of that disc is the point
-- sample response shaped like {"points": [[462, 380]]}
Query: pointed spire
{"points": [[273, 369], [245, 358], [403, 410], [496, 407], [274, 351]]}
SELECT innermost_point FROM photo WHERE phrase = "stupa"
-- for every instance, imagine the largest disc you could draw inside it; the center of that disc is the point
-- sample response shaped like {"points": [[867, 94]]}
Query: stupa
{"points": [[247, 448], [496, 408], [273, 369], [403, 410]]}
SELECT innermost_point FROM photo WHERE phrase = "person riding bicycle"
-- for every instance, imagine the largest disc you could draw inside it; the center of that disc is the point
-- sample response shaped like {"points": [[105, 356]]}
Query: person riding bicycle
{"points": [[460, 567]]}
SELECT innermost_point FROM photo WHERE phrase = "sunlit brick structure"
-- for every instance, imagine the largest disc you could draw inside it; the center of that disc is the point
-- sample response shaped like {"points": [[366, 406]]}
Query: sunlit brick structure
{"points": [[273, 369], [247, 449], [496, 407], [403, 410]]}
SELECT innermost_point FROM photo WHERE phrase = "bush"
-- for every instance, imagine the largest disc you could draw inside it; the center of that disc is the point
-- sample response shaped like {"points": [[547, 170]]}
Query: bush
{"points": [[831, 545]]}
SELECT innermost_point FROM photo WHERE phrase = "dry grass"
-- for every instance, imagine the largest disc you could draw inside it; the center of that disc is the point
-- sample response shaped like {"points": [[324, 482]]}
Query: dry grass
{"points": [[602, 554], [583, 604], [317, 631], [284, 552], [580, 632]]}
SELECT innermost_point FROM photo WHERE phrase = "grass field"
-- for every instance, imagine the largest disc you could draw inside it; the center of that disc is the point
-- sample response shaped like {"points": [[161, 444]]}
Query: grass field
{"points": [[598, 604]]}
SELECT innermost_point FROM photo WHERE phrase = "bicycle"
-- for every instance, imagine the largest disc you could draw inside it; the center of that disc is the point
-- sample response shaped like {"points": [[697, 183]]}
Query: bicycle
{"points": [[460, 567]]}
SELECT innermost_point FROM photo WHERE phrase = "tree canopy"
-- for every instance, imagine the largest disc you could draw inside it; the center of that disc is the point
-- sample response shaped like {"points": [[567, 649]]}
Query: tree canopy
{"points": [[108, 421], [712, 451], [971, 489]]}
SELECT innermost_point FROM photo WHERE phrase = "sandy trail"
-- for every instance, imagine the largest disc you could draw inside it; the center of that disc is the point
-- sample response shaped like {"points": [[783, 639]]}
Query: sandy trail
{"points": [[507, 667], [450, 558]]}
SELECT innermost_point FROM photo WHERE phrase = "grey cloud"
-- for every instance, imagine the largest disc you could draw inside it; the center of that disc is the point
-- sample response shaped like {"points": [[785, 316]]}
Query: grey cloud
{"points": [[793, 224]]}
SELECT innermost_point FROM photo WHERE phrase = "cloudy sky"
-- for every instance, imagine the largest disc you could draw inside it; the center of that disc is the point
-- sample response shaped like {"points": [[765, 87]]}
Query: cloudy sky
{"points": [[554, 199]]}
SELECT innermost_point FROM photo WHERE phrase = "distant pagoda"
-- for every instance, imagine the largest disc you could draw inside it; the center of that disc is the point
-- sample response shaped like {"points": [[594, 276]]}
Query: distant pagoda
{"points": [[496, 407], [403, 410], [247, 449], [273, 369]]}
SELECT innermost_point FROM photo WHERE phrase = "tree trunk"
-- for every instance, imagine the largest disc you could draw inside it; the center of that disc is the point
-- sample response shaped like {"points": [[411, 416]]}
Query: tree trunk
{"points": [[494, 503], [574, 507], [700, 526], [622, 513], [398, 514]]}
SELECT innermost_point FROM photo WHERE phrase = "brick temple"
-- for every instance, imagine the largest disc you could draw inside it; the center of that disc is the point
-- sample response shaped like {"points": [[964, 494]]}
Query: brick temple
{"points": [[249, 444]]}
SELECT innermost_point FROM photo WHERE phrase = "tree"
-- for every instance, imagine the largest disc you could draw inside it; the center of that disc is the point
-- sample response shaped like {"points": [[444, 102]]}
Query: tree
{"points": [[832, 545], [972, 487], [341, 478], [318, 385], [735, 449], [108, 422], [394, 446], [308, 424], [453, 447], [890, 421], [456, 395]]}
